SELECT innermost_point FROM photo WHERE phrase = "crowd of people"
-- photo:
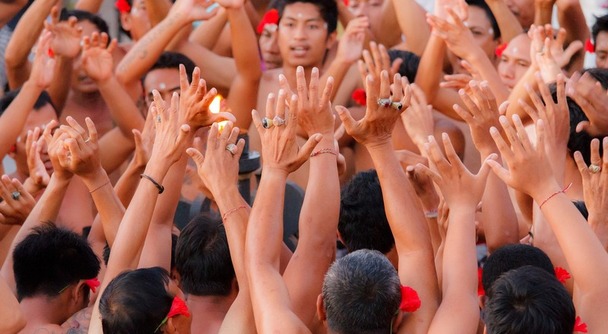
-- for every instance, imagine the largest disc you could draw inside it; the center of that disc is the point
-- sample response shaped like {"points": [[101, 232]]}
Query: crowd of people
{"points": [[443, 165]]}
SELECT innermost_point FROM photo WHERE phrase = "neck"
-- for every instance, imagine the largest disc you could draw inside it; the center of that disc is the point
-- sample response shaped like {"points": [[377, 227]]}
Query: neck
{"points": [[210, 304], [86, 99], [43, 310]]}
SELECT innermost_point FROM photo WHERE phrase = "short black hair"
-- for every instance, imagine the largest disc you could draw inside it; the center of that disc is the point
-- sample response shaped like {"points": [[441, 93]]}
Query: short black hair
{"points": [[363, 223], [529, 300], [51, 258], [135, 302], [9, 97], [601, 24], [83, 15], [327, 8], [409, 66], [511, 257], [203, 258], [172, 60], [483, 5]]}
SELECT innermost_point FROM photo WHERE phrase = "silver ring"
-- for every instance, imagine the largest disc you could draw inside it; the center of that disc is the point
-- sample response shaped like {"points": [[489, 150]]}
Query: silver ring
{"points": [[231, 148], [158, 119], [16, 195], [278, 121], [88, 140], [385, 102], [397, 105], [267, 123], [594, 169]]}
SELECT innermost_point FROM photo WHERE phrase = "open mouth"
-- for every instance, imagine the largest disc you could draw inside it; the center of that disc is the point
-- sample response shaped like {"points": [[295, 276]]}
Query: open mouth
{"points": [[299, 50]]}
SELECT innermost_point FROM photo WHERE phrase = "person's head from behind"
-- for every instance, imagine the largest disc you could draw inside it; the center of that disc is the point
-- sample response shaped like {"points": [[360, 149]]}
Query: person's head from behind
{"points": [[514, 60], [89, 23], [361, 294], [529, 300], [202, 260], [42, 113], [53, 264], [139, 301], [484, 28], [363, 223], [409, 65], [511, 257], [306, 30], [164, 76], [599, 36]]}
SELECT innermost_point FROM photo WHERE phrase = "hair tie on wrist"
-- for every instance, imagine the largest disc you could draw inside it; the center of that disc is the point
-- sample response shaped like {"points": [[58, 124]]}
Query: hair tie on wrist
{"points": [[555, 194], [156, 184]]}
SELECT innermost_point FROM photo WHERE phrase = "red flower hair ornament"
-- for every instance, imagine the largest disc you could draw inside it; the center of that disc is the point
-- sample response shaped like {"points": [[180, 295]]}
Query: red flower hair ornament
{"points": [[410, 302], [270, 17], [122, 6], [580, 326], [562, 274], [178, 307], [589, 47], [359, 96], [500, 49], [93, 284]]}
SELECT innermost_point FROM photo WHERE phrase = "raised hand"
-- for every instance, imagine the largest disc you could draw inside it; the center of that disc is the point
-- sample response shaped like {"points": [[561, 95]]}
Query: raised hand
{"points": [[377, 60], [172, 136], [83, 147], [382, 113], [460, 6], [56, 150], [418, 118], [219, 168], [97, 59], [17, 202], [193, 10], [66, 34], [457, 184], [454, 32], [194, 101], [314, 111], [39, 173], [481, 114], [529, 170], [589, 94], [595, 180], [230, 3], [280, 151], [350, 45], [144, 141], [44, 64]]}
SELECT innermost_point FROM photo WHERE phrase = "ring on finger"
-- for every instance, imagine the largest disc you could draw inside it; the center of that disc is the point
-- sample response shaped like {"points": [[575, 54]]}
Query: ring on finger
{"points": [[231, 148], [387, 102], [594, 169], [267, 123], [278, 121], [158, 119], [88, 140], [16, 195], [397, 105]]}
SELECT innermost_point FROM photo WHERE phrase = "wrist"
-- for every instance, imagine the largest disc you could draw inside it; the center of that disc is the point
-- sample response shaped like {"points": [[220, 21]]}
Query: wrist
{"points": [[94, 179], [106, 83], [274, 172]]}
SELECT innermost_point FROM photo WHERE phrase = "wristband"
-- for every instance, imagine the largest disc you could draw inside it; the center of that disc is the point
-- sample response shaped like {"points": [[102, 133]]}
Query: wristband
{"points": [[156, 184], [554, 194]]}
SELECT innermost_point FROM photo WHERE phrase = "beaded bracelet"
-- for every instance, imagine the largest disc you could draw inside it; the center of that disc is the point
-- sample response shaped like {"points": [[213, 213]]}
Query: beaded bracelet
{"points": [[231, 211], [554, 194], [322, 151], [156, 184]]}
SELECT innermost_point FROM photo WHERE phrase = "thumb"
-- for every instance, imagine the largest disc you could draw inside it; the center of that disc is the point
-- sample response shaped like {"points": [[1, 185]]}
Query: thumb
{"points": [[196, 155], [346, 118], [309, 146], [137, 138], [582, 126], [223, 116], [484, 171], [499, 170]]}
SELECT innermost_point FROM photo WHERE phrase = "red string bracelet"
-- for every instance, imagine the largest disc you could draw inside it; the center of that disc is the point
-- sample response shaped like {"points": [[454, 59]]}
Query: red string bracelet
{"points": [[554, 194], [325, 150], [231, 211]]}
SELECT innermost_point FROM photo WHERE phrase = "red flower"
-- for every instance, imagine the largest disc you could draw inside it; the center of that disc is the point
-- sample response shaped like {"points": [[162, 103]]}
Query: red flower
{"points": [[92, 283], [409, 300], [178, 307], [500, 49], [50, 53], [271, 17], [562, 274], [122, 6], [345, 2], [580, 326], [480, 290], [589, 47], [359, 96]]}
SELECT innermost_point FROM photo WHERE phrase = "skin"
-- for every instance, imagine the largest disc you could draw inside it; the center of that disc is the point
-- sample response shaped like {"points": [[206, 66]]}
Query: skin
{"points": [[601, 49], [269, 47], [523, 10], [515, 61], [165, 80], [370, 8], [136, 22]]}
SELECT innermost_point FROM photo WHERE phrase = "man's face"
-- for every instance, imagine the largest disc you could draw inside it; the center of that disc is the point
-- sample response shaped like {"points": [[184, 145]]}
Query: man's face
{"points": [[303, 37], [601, 49], [523, 10], [515, 60], [165, 80], [136, 21], [370, 8], [269, 46], [36, 118], [80, 80]]}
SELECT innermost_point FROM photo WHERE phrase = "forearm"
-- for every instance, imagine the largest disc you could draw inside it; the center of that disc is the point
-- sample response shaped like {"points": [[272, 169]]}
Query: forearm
{"points": [[571, 18], [157, 10], [26, 33], [412, 21], [543, 12], [15, 116], [10, 8], [244, 45], [218, 71], [91, 6], [486, 69], [599, 225], [337, 70], [431, 64], [520, 92], [121, 106], [235, 214], [507, 22], [127, 184], [60, 86], [12, 319], [208, 32]]}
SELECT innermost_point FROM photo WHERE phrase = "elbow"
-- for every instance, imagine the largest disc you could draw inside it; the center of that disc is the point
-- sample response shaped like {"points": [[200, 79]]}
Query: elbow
{"points": [[13, 322], [11, 59]]}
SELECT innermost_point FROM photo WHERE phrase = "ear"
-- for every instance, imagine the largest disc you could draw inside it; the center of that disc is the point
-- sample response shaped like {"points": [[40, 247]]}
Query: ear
{"points": [[321, 308], [169, 327], [397, 320], [77, 294], [482, 301], [331, 40], [339, 236], [125, 21], [175, 276]]}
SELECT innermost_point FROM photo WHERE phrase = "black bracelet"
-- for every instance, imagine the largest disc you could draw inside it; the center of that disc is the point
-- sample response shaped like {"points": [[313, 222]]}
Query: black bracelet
{"points": [[156, 184]]}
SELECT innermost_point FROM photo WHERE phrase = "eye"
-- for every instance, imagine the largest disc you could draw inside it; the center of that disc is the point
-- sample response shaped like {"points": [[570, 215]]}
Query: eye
{"points": [[313, 26], [523, 63]]}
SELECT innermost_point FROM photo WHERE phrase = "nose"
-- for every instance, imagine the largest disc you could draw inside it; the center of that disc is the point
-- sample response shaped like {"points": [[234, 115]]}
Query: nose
{"points": [[361, 10], [300, 32], [507, 70]]}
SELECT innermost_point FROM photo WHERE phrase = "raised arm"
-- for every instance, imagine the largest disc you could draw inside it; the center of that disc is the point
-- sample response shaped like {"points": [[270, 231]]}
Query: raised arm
{"points": [[9, 8], [12, 320], [412, 239], [271, 301], [411, 19], [507, 22]]}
